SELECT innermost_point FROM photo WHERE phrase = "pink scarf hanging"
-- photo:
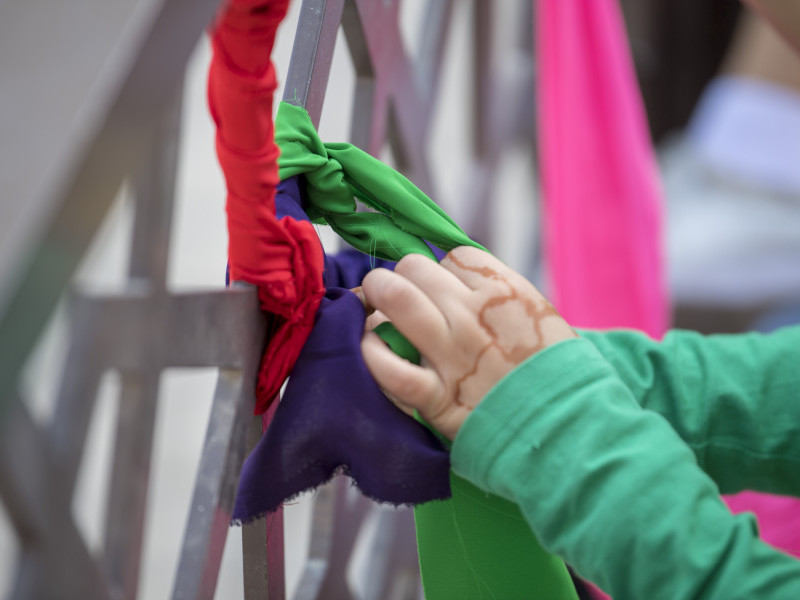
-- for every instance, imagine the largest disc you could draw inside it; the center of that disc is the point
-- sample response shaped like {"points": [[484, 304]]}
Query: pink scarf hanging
{"points": [[603, 198], [600, 181]]}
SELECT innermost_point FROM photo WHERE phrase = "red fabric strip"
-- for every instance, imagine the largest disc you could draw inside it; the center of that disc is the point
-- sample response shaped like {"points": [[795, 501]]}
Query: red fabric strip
{"points": [[283, 258]]}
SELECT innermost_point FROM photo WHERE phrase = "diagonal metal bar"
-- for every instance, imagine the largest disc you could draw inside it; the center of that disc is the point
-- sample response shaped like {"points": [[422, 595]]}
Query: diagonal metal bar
{"points": [[27, 479], [120, 131], [90, 335], [312, 53], [393, 563], [136, 418], [263, 557], [321, 542], [481, 175], [45, 49], [263, 565], [482, 91], [155, 192], [36, 495], [502, 111], [375, 29], [228, 437], [215, 488], [263, 562], [335, 525], [362, 115], [433, 40], [399, 109], [130, 475], [350, 516]]}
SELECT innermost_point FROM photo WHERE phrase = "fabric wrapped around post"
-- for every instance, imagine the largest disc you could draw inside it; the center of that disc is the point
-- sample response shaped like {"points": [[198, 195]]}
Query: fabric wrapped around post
{"points": [[337, 174], [282, 258], [490, 550], [333, 417]]}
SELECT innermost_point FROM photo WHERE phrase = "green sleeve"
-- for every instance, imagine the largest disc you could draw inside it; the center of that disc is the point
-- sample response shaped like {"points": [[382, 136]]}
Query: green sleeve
{"points": [[734, 399], [610, 487]]}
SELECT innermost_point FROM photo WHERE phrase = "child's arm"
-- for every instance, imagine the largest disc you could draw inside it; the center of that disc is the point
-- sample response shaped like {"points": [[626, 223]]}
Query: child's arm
{"points": [[604, 484], [473, 320], [731, 398]]}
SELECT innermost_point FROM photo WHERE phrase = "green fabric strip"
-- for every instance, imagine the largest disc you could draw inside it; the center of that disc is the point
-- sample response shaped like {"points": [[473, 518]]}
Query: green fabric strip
{"points": [[338, 174], [474, 545], [479, 546]]}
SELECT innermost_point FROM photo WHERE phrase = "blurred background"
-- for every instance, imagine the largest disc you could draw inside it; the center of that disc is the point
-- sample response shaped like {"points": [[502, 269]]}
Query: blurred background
{"points": [[722, 93]]}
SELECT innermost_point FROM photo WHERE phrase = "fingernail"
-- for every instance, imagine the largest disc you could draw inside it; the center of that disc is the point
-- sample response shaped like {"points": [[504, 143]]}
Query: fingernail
{"points": [[360, 293]]}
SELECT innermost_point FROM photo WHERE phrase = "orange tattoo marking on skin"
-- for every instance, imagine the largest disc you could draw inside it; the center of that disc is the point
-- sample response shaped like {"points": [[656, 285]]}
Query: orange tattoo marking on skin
{"points": [[517, 353]]}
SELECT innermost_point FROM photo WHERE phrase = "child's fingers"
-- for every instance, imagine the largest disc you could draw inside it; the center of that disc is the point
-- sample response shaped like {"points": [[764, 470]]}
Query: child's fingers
{"points": [[447, 291], [360, 293], [402, 407], [374, 319], [403, 382], [410, 309]]}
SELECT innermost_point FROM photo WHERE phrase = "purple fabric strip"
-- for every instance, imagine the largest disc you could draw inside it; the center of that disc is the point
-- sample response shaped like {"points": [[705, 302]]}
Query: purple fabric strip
{"points": [[289, 200], [344, 269], [332, 416]]}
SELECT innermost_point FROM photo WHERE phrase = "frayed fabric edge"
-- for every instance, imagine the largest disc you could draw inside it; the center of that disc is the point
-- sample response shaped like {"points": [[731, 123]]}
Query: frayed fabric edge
{"points": [[341, 470]]}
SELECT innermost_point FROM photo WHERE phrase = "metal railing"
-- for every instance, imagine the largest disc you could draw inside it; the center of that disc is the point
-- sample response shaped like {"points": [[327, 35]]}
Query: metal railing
{"points": [[108, 111]]}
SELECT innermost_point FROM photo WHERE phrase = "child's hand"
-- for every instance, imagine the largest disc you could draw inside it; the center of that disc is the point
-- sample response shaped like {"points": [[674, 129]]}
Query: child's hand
{"points": [[473, 320]]}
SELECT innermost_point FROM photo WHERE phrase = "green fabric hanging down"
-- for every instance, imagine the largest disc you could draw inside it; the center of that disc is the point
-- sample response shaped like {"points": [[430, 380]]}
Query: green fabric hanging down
{"points": [[474, 545]]}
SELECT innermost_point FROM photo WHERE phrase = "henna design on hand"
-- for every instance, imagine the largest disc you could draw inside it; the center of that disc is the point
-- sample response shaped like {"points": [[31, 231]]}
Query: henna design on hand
{"points": [[524, 341]]}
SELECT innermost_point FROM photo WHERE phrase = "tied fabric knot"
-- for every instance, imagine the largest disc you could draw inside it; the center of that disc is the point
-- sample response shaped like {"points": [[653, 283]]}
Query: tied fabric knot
{"points": [[332, 417], [336, 174], [295, 316]]}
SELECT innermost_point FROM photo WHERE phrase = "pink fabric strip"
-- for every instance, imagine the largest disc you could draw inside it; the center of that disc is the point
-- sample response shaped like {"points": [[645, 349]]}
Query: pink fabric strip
{"points": [[601, 187]]}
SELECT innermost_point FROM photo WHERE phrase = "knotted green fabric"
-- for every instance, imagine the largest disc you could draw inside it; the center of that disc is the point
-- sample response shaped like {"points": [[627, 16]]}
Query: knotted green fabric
{"points": [[474, 545], [336, 174]]}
